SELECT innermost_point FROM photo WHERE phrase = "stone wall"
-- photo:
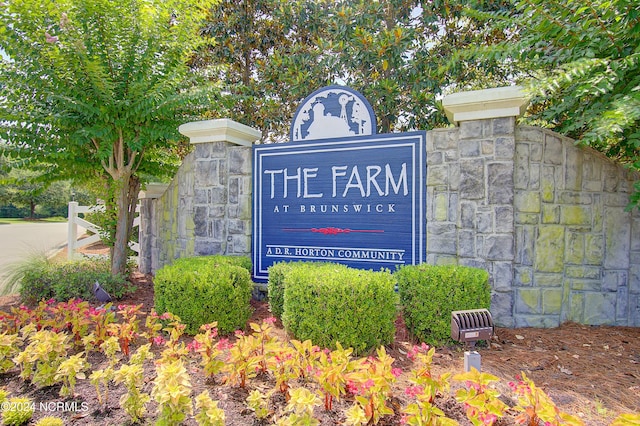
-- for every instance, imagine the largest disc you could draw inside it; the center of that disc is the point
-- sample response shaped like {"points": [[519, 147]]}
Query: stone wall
{"points": [[470, 203], [546, 218], [207, 207], [577, 249], [166, 220]]}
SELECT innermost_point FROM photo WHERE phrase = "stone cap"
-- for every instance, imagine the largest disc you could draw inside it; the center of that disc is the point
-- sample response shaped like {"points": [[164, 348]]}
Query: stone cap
{"points": [[220, 130], [509, 101], [153, 190]]}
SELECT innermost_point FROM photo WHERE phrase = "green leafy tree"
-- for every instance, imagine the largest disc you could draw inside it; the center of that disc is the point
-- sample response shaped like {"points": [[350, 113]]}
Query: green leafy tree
{"points": [[397, 53], [98, 88], [269, 58], [21, 189], [580, 62], [401, 55], [28, 188]]}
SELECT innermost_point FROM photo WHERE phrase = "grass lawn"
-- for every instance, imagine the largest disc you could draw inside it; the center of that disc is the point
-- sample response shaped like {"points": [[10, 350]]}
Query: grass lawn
{"points": [[14, 220]]}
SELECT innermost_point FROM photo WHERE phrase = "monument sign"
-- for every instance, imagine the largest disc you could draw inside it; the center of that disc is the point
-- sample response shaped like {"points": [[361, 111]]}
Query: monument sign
{"points": [[339, 192]]}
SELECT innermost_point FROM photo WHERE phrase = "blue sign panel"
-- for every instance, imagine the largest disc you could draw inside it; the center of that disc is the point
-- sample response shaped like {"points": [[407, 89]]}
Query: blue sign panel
{"points": [[357, 200]]}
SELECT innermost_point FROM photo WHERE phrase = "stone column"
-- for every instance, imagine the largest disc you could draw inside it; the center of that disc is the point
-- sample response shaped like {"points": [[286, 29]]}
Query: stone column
{"points": [[206, 209], [221, 206], [481, 184], [146, 236]]}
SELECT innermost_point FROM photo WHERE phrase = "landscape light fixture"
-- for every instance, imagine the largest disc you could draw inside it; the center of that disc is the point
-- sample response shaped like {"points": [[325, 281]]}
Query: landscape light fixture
{"points": [[468, 327], [100, 293]]}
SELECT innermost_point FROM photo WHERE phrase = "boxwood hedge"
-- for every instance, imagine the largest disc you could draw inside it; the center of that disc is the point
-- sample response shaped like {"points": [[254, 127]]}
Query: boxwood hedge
{"points": [[429, 293], [204, 289], [330, 303]]}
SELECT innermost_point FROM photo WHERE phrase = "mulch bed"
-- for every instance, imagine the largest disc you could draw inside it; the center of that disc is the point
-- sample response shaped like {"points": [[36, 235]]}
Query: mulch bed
{"points": [[590, 372]]}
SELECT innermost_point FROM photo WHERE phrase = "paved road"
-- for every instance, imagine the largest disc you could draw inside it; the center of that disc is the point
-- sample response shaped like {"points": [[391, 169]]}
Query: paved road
{"points": [[20, 241]]}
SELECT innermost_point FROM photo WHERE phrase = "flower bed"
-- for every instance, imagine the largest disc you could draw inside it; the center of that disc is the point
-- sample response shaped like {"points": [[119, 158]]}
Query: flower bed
{"points": [[113, 366]]}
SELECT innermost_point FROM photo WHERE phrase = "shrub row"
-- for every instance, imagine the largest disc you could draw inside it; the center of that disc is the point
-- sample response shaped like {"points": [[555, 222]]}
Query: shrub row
{"points": [[330, 302], [43, 279], [429, 293], [201, 290], [324, 302]]}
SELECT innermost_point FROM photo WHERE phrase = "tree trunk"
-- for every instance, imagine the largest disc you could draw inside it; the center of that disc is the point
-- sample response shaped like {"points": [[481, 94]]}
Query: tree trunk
{"points": [[126, 201]]}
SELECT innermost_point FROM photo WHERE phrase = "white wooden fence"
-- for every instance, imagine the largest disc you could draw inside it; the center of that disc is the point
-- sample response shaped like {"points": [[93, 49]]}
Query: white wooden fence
{"points": [[73, 244]]}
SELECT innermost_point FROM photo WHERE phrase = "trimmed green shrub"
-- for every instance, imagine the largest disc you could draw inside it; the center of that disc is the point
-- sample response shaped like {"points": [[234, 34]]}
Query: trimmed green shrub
{"points": [[18, 412], [189, 262], [428, 295], [43, 279], [50, 421], [204, 289], [330, 303], [275, 286]]}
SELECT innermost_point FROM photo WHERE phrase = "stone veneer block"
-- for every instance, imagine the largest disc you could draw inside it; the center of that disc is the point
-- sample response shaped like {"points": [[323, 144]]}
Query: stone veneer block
{"points": [[444, 140], [528, 300], [617, 236], [499, 247], [550, 248], [597, 308], [500, 183], [472, 185], [501, 311], [553, 150], [506, 125], [505, 148], [635, 234], [552, 301], [527, 202], [524, 245], [502, 276], [471, 130]]}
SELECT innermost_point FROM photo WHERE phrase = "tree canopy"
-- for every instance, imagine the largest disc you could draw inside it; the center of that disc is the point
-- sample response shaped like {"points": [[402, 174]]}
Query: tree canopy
{"points": [[22, 188], [268, 57], [398, 53], [98, 88], [580, 62]]}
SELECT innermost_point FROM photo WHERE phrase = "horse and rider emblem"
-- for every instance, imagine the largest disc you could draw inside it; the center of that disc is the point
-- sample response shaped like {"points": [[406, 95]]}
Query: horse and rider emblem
{"points": [[333, 112]]}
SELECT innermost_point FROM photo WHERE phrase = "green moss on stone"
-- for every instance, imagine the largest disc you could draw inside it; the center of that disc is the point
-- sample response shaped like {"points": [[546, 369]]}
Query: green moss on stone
{"points": [[552, 301], [594, 253], [574, 252], [550, 213], [528, 202], [525, 277], [527, 218], [550, 249], [575, 215], [529, 299], [576, 310], [548, 280], [440, 213], [547, 190], [589, 272]]}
